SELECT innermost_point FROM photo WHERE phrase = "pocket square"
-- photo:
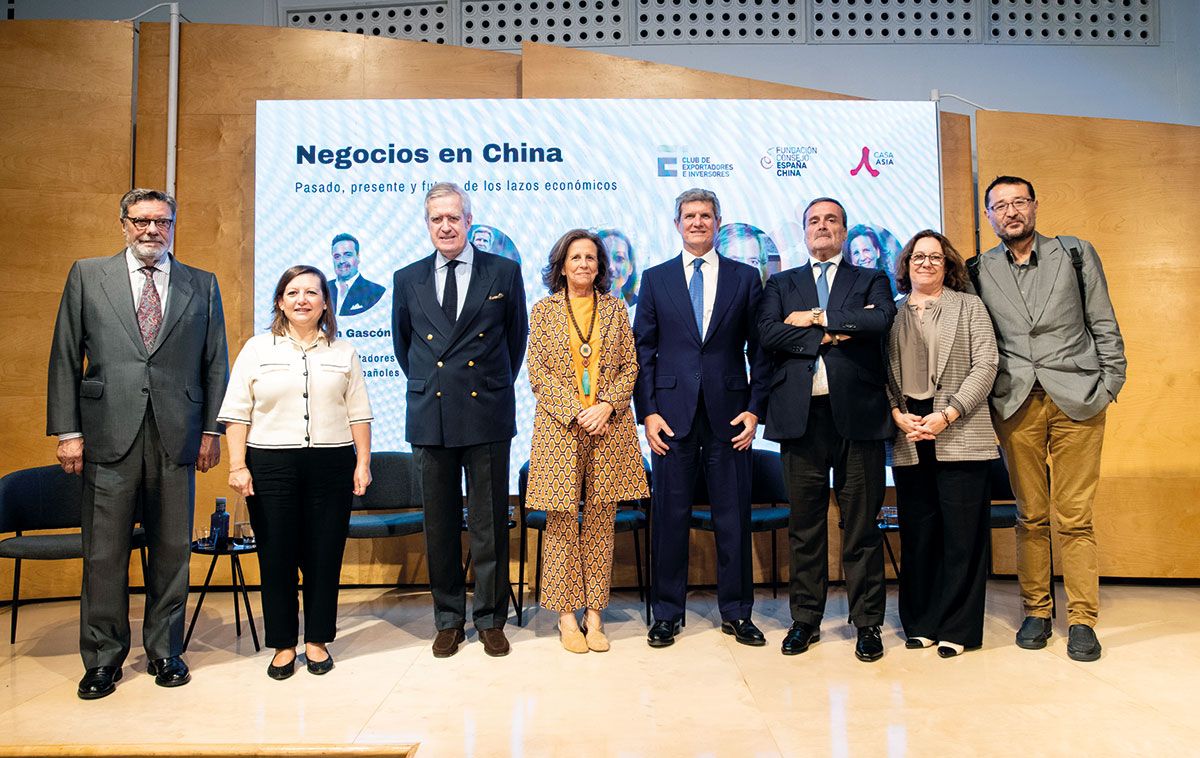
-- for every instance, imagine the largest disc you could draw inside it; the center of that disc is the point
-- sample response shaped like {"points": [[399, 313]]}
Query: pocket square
{"points": [[497, 296]]}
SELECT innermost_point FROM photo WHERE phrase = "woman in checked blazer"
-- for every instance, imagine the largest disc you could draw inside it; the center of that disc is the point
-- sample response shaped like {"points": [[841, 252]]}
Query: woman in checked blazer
{"points": [[582, 368], [942, 361]]}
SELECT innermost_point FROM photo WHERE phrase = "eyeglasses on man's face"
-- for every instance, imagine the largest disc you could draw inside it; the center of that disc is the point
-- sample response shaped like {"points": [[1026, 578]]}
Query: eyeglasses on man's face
{"points": [[1020, 205], [142, 224]]}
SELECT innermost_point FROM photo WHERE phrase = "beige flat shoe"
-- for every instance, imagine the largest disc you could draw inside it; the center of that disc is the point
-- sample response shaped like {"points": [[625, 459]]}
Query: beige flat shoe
{"points": [[573, 640], [597, 642]]}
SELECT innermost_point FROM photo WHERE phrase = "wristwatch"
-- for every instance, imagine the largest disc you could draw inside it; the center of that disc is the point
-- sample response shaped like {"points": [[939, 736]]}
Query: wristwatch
{"points": [[816, 315]]}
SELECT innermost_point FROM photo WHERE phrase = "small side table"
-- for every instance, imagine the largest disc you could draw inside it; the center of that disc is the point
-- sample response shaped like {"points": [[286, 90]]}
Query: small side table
{"points": [[234, 550]]}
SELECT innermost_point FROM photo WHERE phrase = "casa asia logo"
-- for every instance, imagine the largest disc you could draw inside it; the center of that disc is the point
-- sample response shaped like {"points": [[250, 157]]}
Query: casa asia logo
{"points": [[872, 160], [792, 160], [678, 160]]}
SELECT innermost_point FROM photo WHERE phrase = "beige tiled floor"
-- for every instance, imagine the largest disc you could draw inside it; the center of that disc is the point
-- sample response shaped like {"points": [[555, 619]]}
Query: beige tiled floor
{"points": [[704, 696]]}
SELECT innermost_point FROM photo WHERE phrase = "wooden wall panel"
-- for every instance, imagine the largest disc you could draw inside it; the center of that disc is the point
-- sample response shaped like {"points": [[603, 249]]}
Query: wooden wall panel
{"points": [[65, 142], [958, 181], [1131, 188]]}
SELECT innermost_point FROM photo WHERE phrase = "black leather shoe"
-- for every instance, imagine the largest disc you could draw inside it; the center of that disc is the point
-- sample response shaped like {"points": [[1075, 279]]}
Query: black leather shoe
{"points": [[169, 672], [1033, 633], [279, 673], [662, 634], [745, 632], [1082, 644], [870, 644], [319, 667], [98, 682], [799, 637]]}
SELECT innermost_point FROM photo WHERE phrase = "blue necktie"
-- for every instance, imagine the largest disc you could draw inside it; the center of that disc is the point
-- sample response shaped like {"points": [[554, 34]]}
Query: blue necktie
{"points": [[823, 285], [696, 292]]}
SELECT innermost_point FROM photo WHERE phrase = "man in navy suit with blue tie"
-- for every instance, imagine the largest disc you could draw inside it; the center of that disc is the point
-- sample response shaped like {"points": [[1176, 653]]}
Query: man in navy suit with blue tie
{"points": [[695, 327], [459, 328], [824, 324]]}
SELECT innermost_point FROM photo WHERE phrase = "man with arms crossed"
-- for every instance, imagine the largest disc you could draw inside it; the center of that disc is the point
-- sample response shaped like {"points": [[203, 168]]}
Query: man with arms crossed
{"points": [[824, 324], [459, 329], [1062, 361], [136, 422], [694, 329]]}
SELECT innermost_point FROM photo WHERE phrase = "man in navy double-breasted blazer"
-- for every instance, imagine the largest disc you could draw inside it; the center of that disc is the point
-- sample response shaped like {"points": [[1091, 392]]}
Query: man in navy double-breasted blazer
{"points": [[695, 328], [459, 329], [824, 325]]}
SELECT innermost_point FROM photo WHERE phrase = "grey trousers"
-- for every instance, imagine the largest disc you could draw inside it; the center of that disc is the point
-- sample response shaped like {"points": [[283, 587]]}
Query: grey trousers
{"points": [[112, 493]]}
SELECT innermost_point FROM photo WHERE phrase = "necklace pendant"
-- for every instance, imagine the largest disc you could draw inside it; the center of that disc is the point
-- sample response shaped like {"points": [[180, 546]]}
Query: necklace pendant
{"points": [[587, 383], [585, 350]]}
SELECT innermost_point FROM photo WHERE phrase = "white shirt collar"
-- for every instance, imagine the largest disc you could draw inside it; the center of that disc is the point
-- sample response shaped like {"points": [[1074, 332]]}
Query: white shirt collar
{"points": [[133, 264], [466, 257], [835, 260], [711, 258]]}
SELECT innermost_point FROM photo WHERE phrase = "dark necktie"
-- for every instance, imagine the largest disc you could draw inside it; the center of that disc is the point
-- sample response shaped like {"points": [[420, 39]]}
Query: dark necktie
{"points": [[149, 312], [696, 293], [450, 292]]}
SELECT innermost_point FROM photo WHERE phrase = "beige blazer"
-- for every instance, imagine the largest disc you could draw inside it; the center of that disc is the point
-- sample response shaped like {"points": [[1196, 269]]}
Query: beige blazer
{"points": [[555, 465], [967, 360]]}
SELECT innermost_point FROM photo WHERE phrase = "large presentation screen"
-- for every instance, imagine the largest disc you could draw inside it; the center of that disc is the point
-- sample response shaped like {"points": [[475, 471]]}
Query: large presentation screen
{"points": [[340, 185]]}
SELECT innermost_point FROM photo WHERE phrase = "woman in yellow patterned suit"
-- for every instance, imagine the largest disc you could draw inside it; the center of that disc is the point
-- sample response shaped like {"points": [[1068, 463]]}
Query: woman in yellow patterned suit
{"points": [[582, 367]]}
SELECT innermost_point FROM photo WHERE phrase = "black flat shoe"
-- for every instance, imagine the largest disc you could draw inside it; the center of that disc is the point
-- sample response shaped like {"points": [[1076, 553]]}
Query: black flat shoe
{"points": [[99, 682], [319, 667], [169, 672], [869, 646], [745, 632], [662, 634], [279, 673], [918, 643], [799, 637]]}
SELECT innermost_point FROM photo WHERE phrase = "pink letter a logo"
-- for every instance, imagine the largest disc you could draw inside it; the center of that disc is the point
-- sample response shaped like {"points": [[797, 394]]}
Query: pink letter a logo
{"points": [[865, 162]]}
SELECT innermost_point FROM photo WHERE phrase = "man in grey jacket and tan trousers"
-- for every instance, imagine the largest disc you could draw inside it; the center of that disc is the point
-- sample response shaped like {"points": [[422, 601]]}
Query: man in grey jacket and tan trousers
{"points": [[1062, 361]]}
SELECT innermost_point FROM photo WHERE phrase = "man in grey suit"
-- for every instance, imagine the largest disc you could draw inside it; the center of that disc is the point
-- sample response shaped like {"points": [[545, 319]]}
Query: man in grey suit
{"points": [[138, 368], [1062, 361]]}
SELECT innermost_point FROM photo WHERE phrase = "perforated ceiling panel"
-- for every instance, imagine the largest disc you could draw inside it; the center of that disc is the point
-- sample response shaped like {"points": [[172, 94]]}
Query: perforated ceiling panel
{"points": [[708, 21], [1073, 22], [423, 22], [891, 21], [572, 23], [505, 24]]}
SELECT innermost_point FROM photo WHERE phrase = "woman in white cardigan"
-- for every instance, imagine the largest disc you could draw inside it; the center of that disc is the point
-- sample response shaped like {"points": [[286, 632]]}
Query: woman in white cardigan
{"points": [[942, 362]]}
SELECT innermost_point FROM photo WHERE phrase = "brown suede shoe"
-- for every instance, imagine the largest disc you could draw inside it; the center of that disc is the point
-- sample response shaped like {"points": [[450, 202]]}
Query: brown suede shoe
{"points": [[494, 642], [446, 643]]}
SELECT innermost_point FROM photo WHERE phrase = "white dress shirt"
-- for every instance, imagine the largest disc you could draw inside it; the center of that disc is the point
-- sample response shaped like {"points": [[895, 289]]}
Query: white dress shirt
{"points": [[462, 275], [709, 268], [137, 278], [820, 384], [293, 395], [344, 287]]}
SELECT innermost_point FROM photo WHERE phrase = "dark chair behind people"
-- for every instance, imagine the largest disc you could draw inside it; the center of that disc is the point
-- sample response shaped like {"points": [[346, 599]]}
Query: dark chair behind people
{"points": [[768, 498], [632, 516], [39, 498], [392, 505]]}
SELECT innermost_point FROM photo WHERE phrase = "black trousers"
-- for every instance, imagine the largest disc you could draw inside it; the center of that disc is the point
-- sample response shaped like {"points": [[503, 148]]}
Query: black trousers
{"points": [[300, 511], [727, 473], [111, 492], [944, 532], [442, 469], [858, 482]]}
